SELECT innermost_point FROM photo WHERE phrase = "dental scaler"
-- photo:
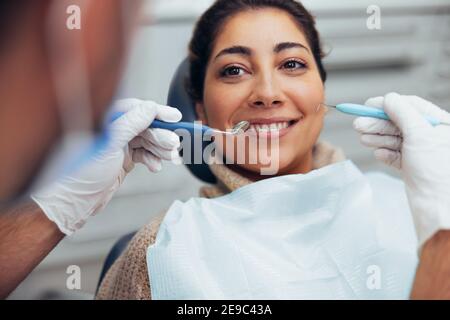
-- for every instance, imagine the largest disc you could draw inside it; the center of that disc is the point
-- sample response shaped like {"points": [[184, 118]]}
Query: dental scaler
{"points": [[192, 127], [365, 111]]}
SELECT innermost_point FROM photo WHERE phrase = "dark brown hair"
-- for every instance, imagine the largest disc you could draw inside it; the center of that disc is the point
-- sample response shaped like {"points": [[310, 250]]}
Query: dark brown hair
{"points": [[210, 23]]}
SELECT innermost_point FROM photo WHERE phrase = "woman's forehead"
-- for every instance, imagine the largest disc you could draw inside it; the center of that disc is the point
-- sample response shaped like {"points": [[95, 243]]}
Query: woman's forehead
{"points": [[260, 29]]}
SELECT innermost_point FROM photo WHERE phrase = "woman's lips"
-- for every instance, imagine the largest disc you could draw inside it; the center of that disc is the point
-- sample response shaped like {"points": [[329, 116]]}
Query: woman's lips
{"points": [[270, 128]]}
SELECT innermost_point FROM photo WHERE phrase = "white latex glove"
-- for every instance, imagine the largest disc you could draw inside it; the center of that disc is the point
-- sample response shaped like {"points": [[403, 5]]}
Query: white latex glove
{"points": [[419, 150], [73, 199]]}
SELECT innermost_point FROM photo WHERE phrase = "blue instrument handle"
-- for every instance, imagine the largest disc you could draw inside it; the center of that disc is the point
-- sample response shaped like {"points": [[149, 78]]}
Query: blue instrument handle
{"points": [[365, 111], [171, 126]]}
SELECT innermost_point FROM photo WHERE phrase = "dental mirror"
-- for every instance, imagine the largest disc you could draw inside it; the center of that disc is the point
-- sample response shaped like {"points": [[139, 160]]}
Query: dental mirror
{"points": [[239, 128]]}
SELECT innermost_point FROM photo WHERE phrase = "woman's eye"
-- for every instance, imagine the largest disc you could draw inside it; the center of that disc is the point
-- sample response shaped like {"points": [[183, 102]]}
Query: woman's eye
{"points": [[293, 65], [232, 71]]}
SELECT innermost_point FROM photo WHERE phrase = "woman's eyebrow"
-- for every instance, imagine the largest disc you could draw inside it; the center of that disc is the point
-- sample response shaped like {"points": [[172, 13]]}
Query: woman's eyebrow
{"points": [[241, 50], [288, 45]]}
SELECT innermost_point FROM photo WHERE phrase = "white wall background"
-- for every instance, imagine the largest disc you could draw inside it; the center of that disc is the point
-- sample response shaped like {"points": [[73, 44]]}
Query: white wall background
{"points": [[410, 54]]}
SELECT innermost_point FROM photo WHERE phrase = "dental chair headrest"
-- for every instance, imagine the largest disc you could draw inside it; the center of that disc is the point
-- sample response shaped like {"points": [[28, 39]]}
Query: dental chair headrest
{"points": [[180, 99]]}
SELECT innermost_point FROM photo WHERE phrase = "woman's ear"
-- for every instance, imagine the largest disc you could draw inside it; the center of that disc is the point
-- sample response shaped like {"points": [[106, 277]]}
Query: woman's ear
{"points": [[201, 113]]}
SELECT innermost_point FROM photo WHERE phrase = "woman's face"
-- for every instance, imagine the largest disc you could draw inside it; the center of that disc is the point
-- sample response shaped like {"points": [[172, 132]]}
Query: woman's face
{"points": [[262, 70]]}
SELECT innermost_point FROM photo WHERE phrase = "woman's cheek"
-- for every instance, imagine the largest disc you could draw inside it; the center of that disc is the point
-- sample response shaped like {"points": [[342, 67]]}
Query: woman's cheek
{"points": [[307, 96], [215, 112], [221, 104]]}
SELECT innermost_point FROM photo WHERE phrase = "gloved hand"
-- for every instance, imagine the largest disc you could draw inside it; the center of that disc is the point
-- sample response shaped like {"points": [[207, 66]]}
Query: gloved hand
{"points": [[419, 150], [73, 199]]}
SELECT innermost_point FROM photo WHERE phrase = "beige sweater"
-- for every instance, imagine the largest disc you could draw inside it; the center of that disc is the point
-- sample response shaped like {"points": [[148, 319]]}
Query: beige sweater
{"points": [[128, 277]]}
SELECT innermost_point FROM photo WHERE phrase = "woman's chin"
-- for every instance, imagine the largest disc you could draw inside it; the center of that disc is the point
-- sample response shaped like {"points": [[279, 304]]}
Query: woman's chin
{"points": [[270, 167]]}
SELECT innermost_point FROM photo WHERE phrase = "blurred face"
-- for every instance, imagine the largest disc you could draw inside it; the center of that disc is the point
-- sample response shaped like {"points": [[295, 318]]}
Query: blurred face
{"points": [[30, 117], [107, 39], [262, 70]]}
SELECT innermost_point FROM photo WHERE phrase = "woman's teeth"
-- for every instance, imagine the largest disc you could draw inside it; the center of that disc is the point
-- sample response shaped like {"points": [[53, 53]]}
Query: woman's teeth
{"points": [[272, 127]]}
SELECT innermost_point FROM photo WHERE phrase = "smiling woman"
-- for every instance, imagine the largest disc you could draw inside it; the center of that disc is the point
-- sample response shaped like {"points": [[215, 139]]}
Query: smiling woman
{"points": [[261, 61], [253, 60]]}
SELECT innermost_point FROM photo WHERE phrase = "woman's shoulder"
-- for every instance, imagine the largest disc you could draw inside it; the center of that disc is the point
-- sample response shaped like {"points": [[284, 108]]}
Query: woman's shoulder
{"points": [[127, 279], [146, 236]]}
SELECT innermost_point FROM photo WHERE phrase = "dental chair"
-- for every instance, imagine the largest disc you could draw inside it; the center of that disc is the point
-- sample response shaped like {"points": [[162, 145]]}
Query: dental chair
{"points": [[178, 97]]}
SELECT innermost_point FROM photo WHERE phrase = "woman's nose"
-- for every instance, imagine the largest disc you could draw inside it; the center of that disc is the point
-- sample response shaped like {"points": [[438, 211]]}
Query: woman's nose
{"points": [[266, 94]]}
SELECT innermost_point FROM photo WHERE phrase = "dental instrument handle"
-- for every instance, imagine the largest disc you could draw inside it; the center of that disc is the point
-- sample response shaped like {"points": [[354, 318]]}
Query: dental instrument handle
{"points": [[171, 126], [365, 111], [189, 126]]}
